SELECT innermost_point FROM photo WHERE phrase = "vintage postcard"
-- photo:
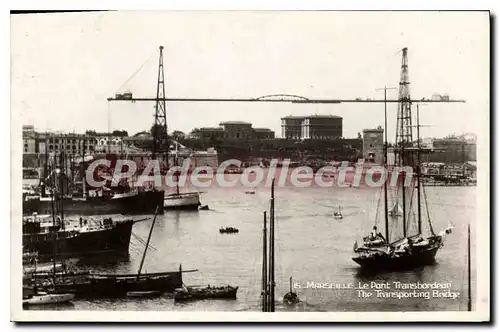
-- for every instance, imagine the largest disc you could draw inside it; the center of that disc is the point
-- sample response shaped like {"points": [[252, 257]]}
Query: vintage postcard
{"points": [[250, 166]]}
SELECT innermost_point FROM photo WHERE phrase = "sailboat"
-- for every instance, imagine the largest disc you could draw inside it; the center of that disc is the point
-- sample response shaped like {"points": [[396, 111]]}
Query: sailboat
{"points": [[40, 297], [291, 297], [268, 283], [178, 200], [396, 210], [268, 263], [88, 284], [404, 250], [338, 214]]}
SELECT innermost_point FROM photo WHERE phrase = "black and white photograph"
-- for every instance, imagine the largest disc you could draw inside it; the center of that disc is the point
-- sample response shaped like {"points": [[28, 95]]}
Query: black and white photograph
{"points": [[226, 165]]}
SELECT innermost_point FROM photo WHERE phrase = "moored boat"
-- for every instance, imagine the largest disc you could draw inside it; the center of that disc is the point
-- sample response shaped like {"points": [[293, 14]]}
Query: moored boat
{"points": [[411, 244], [76, 238], [291, 297], [182, 201], [45, 298], [152, 293], [338, 214], [188, 293], [143, 202], [228, 230]]}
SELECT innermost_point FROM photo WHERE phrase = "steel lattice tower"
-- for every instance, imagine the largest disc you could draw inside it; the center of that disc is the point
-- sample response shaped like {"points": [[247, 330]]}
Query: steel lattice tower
{"points": [[404, 135], [160, 136]]}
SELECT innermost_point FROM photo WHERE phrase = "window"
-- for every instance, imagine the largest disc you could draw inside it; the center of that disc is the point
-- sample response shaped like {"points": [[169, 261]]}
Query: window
{"points": [[25, 149]]}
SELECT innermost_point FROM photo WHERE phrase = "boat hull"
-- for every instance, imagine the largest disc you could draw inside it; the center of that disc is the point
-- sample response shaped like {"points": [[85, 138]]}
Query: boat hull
{"points": [[183, 201], [112, 285], [422, 257], [115, 240], [143, 203], [188, 296], [48, 299]]}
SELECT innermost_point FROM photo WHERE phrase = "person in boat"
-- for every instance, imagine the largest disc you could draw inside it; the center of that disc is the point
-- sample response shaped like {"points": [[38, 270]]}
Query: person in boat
{"points": [[375, 235]]}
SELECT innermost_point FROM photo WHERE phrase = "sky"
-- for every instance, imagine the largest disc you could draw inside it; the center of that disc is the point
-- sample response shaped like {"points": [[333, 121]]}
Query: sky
{"points": [[65, 66]]}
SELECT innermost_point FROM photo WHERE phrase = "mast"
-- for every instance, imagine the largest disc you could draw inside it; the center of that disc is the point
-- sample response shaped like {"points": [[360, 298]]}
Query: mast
{"points": [[52, 209], [264, 266], [45, 169], [84, 171], [386, 162], [469, 291], [176, 163], [271, 251], [61, 173], [147, 244], [386, 208], [418, 173]]}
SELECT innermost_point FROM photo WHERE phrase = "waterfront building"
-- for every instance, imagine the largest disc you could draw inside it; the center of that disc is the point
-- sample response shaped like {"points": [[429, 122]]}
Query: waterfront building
{"points": [[29, 140], [373, 145], [311, 127], [238, 130]]}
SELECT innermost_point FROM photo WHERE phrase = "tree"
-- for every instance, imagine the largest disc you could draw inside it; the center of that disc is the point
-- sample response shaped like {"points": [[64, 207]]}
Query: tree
{"points": [[178, 135], [158, 130], [195, 133], [120, 133]]}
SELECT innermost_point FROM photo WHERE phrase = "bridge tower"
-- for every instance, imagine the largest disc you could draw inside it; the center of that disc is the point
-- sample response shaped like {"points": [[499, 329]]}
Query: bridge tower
{"points": [[160, 136], [404, 135]]}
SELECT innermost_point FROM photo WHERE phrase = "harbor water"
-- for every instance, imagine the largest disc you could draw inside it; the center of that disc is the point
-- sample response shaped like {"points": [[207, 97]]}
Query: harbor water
{"points": [[311, 246]]}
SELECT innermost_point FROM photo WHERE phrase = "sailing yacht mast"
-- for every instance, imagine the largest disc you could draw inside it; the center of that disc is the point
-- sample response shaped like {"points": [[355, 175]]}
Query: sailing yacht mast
{"points": [[271, 251], [469, 291], [418, 173], [52, 208], [386, 162], [386, 212], [265, 299]]}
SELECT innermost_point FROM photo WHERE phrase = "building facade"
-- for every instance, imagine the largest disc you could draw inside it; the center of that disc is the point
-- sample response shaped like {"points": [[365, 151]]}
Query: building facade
{"points": [[458, 150], [74, 144], [211, 133], [373, 145], [109, 143], [263, 133], [312, 127], [238, 130], [29, 140]]}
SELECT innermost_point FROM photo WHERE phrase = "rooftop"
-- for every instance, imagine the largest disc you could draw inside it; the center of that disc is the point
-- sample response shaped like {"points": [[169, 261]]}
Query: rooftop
{"points": [[315, 116], [262, 129], [212, 128], [234, 123], [374, 130]]}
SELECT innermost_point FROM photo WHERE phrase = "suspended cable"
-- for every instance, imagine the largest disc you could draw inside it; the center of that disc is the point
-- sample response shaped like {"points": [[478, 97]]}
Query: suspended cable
{"points": [[135, 73]]}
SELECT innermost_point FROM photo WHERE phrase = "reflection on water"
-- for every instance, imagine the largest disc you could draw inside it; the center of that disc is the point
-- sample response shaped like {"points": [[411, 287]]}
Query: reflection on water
{"points": [[311, 246]]}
